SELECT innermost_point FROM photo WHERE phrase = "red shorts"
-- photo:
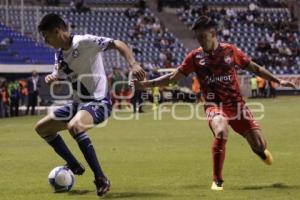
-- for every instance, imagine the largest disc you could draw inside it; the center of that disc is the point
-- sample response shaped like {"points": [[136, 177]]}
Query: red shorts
{"points": [[239, 118]]}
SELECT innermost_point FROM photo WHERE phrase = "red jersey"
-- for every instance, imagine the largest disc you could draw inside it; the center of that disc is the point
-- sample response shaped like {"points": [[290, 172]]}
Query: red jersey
{"points": [[217, 72]]}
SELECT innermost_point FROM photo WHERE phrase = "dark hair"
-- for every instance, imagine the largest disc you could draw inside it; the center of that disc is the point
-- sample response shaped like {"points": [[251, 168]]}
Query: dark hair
{"points": [[51, 21], [204, 22]]}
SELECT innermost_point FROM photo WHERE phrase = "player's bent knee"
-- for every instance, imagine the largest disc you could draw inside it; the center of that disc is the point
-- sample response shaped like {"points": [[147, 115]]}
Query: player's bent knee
{"points": [[221, 133], [76, 127], [43, 128], [219, 126], [38, 128]]}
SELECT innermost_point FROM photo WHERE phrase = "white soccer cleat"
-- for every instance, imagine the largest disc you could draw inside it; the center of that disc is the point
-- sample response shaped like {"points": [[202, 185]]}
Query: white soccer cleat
{"points": [[217, 186]]}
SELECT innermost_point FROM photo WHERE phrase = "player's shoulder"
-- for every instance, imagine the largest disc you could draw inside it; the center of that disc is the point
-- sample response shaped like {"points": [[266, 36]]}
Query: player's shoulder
{"points": [[198, 50], [229, 47], [195, 52], [87, 38], [226, 45], [83, 38]]}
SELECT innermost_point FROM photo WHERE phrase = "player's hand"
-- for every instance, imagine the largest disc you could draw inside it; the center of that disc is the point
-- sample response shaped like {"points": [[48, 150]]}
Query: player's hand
{"points": [[287, 84], [138, 71], [138, 85], [50, 78]]}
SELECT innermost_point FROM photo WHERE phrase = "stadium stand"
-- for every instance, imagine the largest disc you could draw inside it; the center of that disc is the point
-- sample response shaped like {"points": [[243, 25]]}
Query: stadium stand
{"points": [[268, 35], [84, 2], [235, 3], [22, 49], [121, 2], [119, 23]]}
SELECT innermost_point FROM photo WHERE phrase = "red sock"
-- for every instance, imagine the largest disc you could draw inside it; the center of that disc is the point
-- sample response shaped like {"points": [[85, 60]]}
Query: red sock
{"points": [[218, 155]]}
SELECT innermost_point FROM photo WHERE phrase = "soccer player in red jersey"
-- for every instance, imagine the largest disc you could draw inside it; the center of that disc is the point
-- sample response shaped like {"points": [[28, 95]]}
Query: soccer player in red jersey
{"points": [[216, 65]]}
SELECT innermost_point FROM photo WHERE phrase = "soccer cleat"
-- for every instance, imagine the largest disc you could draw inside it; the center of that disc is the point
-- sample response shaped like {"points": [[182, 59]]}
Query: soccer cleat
{"points": [[102, 186], [78, 170], [217, 185], [269, 158]]}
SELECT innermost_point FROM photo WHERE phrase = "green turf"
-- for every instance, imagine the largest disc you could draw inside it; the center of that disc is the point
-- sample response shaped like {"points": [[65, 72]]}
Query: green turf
{"points": [[168, 159]]}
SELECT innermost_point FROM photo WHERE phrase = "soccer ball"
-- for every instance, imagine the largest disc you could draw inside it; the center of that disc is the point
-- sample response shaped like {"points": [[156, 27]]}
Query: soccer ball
{"points": [[61, 179]]}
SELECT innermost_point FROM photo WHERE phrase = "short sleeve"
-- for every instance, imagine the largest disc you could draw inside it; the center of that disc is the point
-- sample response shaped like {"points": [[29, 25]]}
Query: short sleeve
{"points": [[240, 58], [96, 42], [187, 65]]}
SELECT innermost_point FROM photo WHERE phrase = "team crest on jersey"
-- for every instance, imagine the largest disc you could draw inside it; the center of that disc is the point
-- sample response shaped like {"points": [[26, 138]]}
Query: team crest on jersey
{"points": [[75, 53], [201, 58], [228, 59]]}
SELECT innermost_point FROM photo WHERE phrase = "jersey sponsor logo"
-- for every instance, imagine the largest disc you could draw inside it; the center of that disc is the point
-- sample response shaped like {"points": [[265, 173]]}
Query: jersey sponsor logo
{"points": [[202, 58], [75, 53], [214, 79]]}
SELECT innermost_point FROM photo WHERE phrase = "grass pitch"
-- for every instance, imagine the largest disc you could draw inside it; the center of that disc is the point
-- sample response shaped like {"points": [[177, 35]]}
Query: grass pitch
{"points": [[158, 159]]}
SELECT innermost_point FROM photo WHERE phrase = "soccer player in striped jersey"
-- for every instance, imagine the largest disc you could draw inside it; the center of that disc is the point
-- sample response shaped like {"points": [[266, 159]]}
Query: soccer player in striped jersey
{"points": [[79, 61]]}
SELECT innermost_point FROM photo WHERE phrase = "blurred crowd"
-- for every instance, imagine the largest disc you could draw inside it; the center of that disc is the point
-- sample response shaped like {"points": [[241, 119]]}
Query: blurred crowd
{"points": [[149, 25], [261, 88], [280, 44], [19, 92], [21, 96], [186, 4]]}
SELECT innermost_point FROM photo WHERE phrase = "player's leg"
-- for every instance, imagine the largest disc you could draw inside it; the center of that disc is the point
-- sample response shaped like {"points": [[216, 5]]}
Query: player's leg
{"points": [[77, 128], [250, 130], [259, 145], [219, 126], [84, 120], [48, 129]]}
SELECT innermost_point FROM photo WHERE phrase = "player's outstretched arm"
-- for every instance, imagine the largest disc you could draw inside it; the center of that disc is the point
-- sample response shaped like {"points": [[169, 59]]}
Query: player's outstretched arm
{"points": [[164, 80], [126, 52], [262, 72]]}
